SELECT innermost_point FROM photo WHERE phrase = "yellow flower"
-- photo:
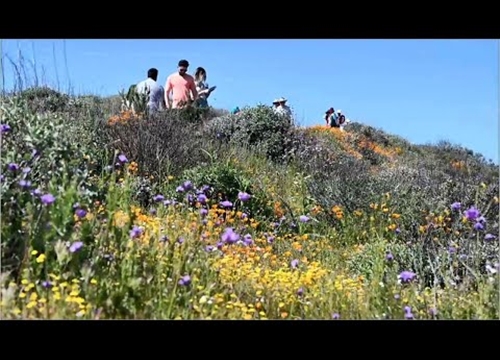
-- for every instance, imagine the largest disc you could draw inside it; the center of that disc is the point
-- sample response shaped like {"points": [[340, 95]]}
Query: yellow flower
{"points": [[41, 258]]}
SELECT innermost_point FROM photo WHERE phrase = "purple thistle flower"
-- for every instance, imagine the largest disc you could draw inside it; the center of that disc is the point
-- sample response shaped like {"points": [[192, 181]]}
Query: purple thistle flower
{"points": [[407, 276], [303, 218], [226, 204], [36, 192], [456, 206], [167, 202], [26, 170], [229, 236], [335, 316], [81, 213], [179, 189], [47, 199], [294, 263], [300, 292], [46, 284], [397, 231], [389, 256], [243, 196], [452, 250], [247, 239], [203, 212], [180, 240], [270, 239], [489, 237], [152, 211], [244, 215], [13, 167], [205, 188], [202, 198], [158, 198], [77, 245], [408, 313], [76, 205], [136, 232], [209, 248], [220, 245], [185, 280], [5, 128], [122, 158], [478, 226], [25, 184], [164, 238], [188, 185], [472, 213]]}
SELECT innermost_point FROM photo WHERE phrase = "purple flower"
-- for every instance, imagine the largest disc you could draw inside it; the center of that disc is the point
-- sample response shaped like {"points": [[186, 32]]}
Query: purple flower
{"points": [[396, 296], [203, 212], [335, 316], [77, 245], [389, 256], [136, 232], [294, 263], [122, 158], [209, 248], [226, 204], [408, 313], [152, 211], [300, 292], [76, 205], [478, 226], [188, 185], [229, 236], [472, 214], [46, 284], [247, 239], [489, 237], [179, 189], [202, 198], [407, 276], [13, 167], [433, 311], [47, 199], [244, 215], [5, 128], [303, 218], [81, 213], [452, 250], [158, 198], [205, 188], [164, 238], [167, 202], [456, 206], [185, 280], [243, 196], [220, 245], [26, 184], [36, 192], [270, 239], [180, 240], [26, 170]]}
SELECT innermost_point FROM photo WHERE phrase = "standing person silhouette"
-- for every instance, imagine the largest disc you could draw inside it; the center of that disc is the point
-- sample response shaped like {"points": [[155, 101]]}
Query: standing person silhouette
{"points": [[180, 89], [204, 91]]}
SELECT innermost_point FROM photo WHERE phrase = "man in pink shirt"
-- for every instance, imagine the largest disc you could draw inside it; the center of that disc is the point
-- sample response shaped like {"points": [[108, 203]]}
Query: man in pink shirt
{"points": [[181, 85]]}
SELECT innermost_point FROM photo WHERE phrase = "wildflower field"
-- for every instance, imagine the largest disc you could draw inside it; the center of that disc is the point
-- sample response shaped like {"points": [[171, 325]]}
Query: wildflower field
{"points": [[206, 215]]}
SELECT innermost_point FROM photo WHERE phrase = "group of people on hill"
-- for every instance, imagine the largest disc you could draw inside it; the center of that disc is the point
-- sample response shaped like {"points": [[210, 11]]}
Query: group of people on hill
{"points": [[335, 119], [181, 89]]}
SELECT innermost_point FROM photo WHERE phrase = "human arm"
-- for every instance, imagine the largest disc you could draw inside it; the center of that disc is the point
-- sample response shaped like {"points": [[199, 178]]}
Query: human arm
{"points": [[168, 89], [194, 91]]}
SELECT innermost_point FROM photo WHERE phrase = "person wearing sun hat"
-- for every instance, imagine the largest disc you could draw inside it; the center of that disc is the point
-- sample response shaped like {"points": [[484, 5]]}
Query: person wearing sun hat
{"points": [[283, 108]]}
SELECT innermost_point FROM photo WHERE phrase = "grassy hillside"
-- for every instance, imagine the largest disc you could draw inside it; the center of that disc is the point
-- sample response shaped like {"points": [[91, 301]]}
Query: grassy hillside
{"points": [[193, 215]]}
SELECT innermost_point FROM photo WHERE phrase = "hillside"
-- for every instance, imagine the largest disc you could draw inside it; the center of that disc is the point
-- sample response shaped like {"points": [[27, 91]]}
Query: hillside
{"points": [[206, 215]]}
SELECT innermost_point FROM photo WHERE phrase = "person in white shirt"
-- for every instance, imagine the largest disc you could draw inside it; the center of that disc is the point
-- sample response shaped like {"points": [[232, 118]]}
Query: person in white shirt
{"points": [[282, 108], [154, 91]]}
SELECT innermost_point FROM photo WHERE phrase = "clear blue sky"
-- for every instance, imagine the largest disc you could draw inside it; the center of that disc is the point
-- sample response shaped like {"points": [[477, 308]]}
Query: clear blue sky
{"points": [[423, 90]]}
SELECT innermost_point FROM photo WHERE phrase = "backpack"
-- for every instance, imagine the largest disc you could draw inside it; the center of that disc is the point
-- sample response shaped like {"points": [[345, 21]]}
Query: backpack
{"points": [[341, 119]]}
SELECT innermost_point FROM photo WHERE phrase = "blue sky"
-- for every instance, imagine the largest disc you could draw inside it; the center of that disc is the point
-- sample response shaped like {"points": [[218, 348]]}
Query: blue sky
{"points": [[423, 90]]}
